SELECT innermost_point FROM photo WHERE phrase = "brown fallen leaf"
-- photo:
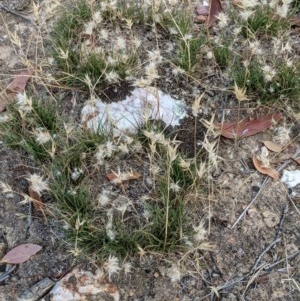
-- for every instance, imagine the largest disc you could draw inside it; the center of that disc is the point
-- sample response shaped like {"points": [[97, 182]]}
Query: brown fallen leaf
{"points": [[214, 8], [272, 146], [19, 83], [21, 253], [265, 170], [120, 178], [246, 128]]}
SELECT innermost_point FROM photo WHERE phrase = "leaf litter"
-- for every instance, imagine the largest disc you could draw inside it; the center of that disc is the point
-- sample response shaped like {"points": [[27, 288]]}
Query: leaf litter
{"points": [[273, 146], [208, 12], [265, 170], [246, 128], [19, 83], [215, 8], [21, 253], [120, 178]]}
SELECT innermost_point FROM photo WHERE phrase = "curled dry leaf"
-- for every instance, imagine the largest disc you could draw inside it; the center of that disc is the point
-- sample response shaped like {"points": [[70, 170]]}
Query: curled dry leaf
{"points": [[21, 253], [120, 178], [272, 146], [19, 83], [246, 128], [215, 8], [265, 170]]}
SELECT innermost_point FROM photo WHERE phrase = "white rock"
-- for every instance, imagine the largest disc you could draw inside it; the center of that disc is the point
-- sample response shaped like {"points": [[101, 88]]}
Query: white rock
{"points": [[127, 115], [79, 285], [291, 178]]}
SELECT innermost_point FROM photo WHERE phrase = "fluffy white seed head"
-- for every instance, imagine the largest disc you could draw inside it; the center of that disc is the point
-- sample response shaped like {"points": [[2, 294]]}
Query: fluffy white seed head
{"points": [[112, 266], [37, 183]]}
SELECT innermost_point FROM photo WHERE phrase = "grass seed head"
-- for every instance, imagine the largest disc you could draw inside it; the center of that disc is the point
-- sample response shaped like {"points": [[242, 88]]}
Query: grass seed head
{"points": [[127, 267], [223, 20], [174, 273], [24, 103], [112, 266], [200, 232], [240, 93], [38, 184], [268, 72], [282, 135], [42, 136], [175, 187], [112, 77], [104, 198], [88, 28], [5, 187], [151, 72]]}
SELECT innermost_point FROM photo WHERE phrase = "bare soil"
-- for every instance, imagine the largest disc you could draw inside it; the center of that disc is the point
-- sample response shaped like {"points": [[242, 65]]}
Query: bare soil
{"points": [[232, 264]]}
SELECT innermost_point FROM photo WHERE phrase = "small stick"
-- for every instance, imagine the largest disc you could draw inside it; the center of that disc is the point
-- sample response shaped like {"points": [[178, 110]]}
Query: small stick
{"points": [[5, 275], [250, 204], [13, 12], [238, 279], [280, 226], [270, 266], [263, 184], [29, 218], [270, 246], [274, 242]]}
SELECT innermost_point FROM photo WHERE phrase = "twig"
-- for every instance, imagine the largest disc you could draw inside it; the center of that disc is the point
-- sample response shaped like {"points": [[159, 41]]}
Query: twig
{"points": [[263, 184], [270, 266], [280, 226], [250, 282], [250, 204], [265, 267], [226, 285], [270, 246], [13, 12], [29, 218], [5, 275], [274, 242]]}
